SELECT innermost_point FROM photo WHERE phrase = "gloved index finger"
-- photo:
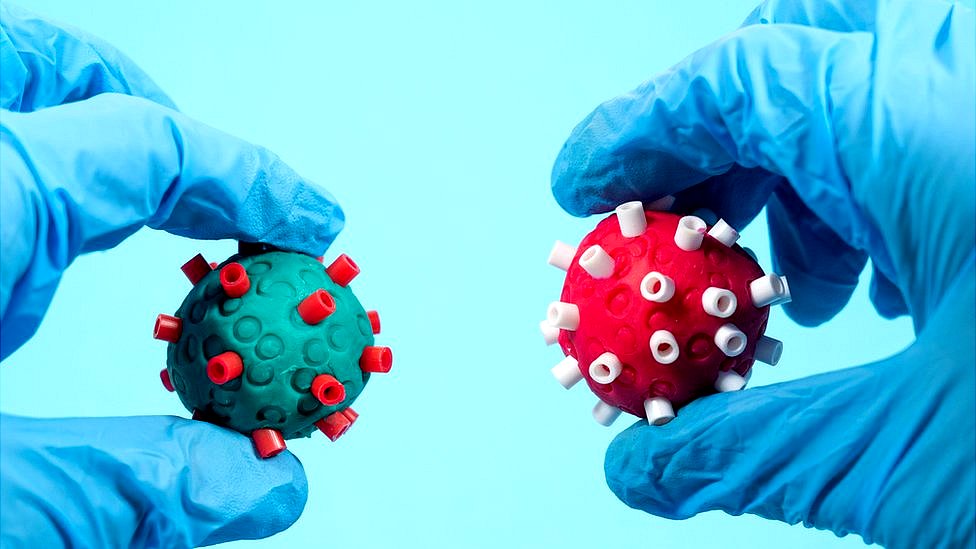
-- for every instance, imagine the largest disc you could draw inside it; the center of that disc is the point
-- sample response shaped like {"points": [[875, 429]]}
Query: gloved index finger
{"points": [[765, 97], [47, 64], [67, 190], [159, 168]]}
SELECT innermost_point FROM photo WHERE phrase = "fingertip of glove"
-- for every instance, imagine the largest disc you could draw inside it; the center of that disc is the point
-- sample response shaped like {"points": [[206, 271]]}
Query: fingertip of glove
{"points": [[617, 464], [568, 186], [233, 494], [634, 468], [289, 211]]}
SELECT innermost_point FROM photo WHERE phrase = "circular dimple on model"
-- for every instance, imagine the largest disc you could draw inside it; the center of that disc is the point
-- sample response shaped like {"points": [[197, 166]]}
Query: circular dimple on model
{"points": [[230, 306], [628, 375], [190, 346], [339, 337], [212, 289], [269, 346], [637, 247], [177, 379], [276, 288], [258, 267], [223, 397], [585, 288], [594, 347], [658, 320], [308, 404], [660, 387], [247, 328], [301, 380], [663, 256], [699, 346], [626, 340], [365, 328], [212, 346], [315, 352], [622, 262], [272, 414], [715, 256], [198, 311], [260, 373], [719, 280], [618, 301]]}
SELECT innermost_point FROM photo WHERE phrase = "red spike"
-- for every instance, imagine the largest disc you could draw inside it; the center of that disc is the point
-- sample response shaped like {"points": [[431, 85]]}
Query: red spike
{"points": [[225, 367], [377, 360], [374, 321], [351, 415], [213, 265], [334, 425], [234, 279], [314, 308], [168, 328], [195, 269], [268, 442], [342, 270], [328, 390], [164, 377]]}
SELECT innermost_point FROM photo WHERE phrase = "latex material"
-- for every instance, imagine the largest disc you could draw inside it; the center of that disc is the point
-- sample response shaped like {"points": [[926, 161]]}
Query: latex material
{"points": [[68, 190], [69, 187], [854, 124], [139, 482]]}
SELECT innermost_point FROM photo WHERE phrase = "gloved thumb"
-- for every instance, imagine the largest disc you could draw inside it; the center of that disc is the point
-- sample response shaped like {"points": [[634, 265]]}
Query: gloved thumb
{"points": [[139, 481], [847, 451]]}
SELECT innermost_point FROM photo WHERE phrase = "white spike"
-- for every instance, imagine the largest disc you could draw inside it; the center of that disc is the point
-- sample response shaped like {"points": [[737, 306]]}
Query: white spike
{"points": [[605, 368], [550, 333], [719, 302], [631, 217], [596, 261], [767, 290], [563, 315], [604, 414], [724, 233], [662, 204], [562, 255], [664, 348], [690, 233], [785, 296], [567, 372], [657, 287], [768, 350], [730, 340], [729, 381], [658, 410]]}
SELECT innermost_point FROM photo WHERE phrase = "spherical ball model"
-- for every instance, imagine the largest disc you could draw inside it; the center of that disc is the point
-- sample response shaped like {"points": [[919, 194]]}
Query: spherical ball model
{"points": [[271, 344], [659, 309]]}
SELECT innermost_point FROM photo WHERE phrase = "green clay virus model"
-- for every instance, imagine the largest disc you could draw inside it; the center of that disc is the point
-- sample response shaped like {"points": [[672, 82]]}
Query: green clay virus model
{"points": [[271, 344]]}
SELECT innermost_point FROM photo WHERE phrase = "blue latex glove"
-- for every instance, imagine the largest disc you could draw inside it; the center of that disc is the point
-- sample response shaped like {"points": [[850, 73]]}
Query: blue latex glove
{"points": [[91, 151], [853, 122]]}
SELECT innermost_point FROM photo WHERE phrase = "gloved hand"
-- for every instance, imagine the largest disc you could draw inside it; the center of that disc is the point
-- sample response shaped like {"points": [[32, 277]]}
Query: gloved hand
{"points": [[91, 151], [853, 123]]}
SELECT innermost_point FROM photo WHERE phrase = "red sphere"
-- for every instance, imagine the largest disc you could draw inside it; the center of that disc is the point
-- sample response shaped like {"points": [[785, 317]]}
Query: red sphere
{"points": [[615, 317]]}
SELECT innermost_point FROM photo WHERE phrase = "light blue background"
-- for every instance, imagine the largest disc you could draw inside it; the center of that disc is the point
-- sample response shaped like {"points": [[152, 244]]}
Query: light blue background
{"points": [[435, 124]]}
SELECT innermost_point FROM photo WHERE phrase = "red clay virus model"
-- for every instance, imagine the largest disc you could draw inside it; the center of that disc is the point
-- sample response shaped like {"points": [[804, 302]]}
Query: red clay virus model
{"points": [[271, 344], [659, 309]]}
